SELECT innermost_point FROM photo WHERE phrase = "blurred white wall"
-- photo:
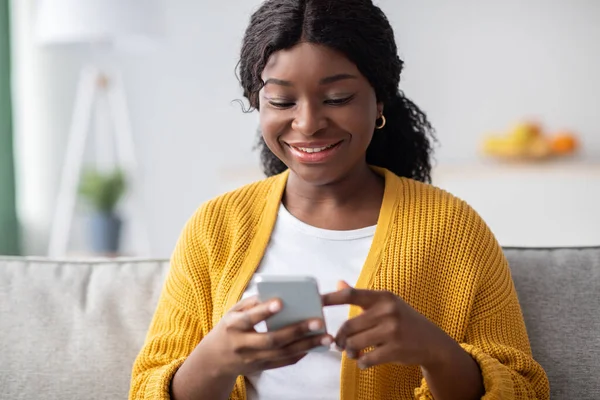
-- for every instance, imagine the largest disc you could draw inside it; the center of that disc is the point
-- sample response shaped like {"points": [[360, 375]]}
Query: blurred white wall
{"points": [[478, 66], [185, 122], [474, 67]]}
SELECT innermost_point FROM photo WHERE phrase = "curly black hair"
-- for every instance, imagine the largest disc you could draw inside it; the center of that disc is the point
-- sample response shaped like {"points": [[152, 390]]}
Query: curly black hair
{"points": [[361, 31]]}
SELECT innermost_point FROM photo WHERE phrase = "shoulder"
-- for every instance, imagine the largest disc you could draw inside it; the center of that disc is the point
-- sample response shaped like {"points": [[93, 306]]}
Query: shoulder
{"points": [[435, 204], [449, 233], [455, 244], [449, 223], [233, 210]]}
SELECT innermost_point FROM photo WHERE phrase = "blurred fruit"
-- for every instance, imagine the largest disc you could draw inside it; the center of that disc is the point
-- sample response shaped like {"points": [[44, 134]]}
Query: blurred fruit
{"points": [[502, 146], [525, 132], [527, 141], [491, 143], [539, 148], [563, 143]]}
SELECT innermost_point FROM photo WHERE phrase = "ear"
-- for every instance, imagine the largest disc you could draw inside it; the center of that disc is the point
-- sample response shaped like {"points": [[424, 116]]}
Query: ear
{"points": [[379, 108]]}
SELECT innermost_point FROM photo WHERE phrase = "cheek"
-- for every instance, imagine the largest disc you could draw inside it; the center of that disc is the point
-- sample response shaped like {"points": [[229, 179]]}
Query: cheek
{"points": [[271, 126], [365, 125], [360, 122]]}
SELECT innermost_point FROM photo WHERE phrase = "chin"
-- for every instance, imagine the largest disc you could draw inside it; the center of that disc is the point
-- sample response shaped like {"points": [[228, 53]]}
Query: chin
{"points": [[317, 174]]}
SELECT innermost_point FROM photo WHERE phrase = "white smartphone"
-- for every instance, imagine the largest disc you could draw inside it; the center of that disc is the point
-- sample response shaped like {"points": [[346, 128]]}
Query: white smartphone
{"points": [[300, 299]]}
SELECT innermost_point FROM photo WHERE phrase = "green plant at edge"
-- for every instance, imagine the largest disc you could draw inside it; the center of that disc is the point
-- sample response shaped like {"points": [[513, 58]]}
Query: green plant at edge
{"points": [[102, 190]]}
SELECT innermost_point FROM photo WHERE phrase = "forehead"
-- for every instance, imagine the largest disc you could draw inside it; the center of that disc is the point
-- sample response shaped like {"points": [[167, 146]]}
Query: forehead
{"points": [[307, 61]]}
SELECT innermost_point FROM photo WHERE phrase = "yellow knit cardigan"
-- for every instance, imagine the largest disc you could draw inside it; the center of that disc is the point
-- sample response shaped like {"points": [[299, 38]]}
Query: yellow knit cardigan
{"points": [[429, 248]]}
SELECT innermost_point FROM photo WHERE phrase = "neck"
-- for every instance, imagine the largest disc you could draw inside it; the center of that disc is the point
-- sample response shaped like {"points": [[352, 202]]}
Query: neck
{"points": [[359, 188]]}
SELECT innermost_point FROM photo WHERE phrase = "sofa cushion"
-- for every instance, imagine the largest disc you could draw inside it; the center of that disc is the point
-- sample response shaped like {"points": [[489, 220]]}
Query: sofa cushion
{"points": [[71, 330], [559, 292]]}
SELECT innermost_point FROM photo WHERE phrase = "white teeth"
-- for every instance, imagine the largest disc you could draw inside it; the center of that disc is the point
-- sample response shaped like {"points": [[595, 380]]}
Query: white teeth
{"points": [[314, 149]]}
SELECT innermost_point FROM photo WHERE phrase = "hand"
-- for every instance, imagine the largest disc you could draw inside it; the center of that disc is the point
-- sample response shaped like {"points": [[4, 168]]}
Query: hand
{"points": [[397, 332], [240, 350]]}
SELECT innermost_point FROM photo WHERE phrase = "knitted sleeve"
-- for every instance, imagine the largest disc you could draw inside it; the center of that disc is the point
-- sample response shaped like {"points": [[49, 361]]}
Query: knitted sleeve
{"points": [[496, 336], [180, 320]]}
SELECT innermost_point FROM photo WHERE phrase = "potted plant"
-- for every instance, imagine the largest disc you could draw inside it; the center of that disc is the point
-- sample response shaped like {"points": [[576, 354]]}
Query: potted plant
{"points": [[102, 191]]}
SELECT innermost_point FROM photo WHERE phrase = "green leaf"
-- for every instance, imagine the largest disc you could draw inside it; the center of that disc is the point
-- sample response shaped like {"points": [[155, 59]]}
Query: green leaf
{"points": [[103, 190]]}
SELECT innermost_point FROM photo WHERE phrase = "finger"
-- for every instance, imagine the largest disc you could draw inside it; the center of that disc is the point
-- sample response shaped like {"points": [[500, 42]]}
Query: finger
{"points": [[282, 337], [350, 295], [283, 362], [299, 347], [366, 321], [291, 334], [342, 285], [377, 356], [245, 320], [355, 344], [246, 303]]}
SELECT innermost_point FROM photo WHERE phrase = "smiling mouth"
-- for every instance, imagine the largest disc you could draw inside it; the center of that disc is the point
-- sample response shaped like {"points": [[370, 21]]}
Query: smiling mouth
{"points": [[314, 149], [312, 155], [311, 150]]}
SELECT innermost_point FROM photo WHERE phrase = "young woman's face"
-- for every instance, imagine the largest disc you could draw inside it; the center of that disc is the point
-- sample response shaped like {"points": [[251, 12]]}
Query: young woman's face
{"points": [[317, 112]]}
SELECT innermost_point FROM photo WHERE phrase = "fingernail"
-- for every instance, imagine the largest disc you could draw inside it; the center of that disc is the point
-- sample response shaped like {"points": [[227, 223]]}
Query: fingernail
{"points": [[351, 354], [314, 325], [326, 341], [274, 306], [362, 365]]}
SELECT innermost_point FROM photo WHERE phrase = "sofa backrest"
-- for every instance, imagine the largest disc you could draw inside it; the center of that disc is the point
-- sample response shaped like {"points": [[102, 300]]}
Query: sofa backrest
{"points": [[559, 292], [71, 330]]}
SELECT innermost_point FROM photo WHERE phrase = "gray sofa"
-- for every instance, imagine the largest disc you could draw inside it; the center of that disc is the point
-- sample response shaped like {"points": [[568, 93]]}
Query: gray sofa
{"points": [[71, 330]]}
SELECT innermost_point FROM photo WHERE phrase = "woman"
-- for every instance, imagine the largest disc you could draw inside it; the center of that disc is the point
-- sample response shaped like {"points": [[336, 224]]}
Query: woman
{"points": [[435, 313]]}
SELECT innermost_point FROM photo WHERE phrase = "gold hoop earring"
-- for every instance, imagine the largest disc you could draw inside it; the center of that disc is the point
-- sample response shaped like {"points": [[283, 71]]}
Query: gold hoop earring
{"points": [[383, 121]]}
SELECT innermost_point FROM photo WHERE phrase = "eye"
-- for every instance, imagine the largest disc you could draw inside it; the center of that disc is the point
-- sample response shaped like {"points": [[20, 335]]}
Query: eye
{"points": [[282, 105], [339, 102]]}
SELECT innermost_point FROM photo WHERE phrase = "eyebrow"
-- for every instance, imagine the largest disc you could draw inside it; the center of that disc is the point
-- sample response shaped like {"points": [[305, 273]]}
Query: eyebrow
{"points": [[324, 81]]}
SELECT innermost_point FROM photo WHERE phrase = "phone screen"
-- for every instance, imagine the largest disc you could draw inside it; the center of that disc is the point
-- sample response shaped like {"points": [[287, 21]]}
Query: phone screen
{"points": [[300, 298]]}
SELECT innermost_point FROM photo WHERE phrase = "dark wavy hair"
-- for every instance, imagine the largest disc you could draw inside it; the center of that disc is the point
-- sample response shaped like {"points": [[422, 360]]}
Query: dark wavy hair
{"points": [[361, 31]]}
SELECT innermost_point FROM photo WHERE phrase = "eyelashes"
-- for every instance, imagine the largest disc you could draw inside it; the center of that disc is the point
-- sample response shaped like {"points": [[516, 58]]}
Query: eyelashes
{"points": [[284, 105], [281, 105], [339, 102]]}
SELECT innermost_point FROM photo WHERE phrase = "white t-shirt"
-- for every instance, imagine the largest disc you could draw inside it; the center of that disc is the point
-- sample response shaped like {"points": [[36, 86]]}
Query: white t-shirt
{"points": [[296, 248]]}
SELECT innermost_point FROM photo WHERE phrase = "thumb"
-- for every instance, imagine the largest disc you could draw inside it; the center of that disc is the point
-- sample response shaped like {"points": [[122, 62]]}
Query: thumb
{"points": [[341, 285]]}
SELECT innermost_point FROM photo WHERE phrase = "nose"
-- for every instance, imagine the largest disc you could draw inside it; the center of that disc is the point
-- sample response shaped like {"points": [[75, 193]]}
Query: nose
{"points": [[309, 120]]}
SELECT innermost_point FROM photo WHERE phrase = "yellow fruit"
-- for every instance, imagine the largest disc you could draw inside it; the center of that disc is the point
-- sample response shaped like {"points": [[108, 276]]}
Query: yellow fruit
{"points": [[491, 144], [523, 133], [501, 146]]}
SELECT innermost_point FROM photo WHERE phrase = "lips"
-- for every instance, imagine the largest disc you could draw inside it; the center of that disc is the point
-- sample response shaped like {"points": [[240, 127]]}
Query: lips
{"points": [[314, 149], [314, 152]]}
